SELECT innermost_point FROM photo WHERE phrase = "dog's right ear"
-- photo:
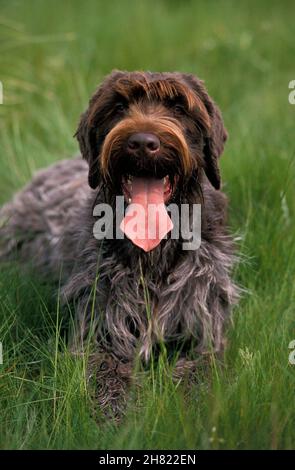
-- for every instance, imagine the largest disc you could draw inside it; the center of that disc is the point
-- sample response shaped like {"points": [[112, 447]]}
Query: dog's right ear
{"points": [[90, 132], [86, 137]]}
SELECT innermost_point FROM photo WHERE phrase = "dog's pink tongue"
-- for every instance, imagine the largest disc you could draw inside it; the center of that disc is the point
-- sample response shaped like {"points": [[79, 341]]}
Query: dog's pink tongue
{"points": [[146, 221]]}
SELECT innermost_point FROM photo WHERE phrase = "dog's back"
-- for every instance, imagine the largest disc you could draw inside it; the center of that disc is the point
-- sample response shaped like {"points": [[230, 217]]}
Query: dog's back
{"points": [[33, 222]]}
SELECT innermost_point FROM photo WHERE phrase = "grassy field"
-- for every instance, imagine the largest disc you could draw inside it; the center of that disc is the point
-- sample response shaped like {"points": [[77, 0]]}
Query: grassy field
{"points": [[52, 56]]}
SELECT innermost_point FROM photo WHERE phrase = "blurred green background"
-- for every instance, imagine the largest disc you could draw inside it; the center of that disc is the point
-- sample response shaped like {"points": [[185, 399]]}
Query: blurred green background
{"points": [[52, 56]]}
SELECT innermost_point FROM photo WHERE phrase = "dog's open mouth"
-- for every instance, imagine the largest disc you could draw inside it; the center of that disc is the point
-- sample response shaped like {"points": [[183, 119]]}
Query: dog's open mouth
{"points": [[158, 187], [146, 221]]}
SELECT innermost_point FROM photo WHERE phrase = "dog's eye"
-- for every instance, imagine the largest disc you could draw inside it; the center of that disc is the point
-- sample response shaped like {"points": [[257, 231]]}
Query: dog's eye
{"points": [[119, 107], [178, 109]]}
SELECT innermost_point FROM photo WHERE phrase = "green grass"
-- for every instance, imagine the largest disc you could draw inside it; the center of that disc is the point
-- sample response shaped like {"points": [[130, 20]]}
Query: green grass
{"points": [[53, 54]]}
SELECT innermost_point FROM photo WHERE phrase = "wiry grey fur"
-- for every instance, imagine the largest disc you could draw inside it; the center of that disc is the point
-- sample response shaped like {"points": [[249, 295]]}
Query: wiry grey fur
{"points": [[130, 301]]}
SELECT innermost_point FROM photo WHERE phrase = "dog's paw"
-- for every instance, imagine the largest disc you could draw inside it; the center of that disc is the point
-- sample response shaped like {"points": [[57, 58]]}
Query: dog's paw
{"points": [[109, 381]]}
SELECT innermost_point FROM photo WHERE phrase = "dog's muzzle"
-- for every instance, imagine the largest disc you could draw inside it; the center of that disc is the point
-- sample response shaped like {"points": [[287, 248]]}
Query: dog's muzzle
{"points": [[145, 158]]}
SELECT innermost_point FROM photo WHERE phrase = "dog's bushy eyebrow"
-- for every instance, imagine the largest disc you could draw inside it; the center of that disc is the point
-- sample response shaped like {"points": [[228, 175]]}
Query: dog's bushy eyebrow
{"points": [[161, 88], [158, 89], [103, 105]]}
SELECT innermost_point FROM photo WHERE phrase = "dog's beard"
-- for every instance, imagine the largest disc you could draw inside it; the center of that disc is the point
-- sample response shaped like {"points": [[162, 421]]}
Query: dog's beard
{"points": [[146, 221]]}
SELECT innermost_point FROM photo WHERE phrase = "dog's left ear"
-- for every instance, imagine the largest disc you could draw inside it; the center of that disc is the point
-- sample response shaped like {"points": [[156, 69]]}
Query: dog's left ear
{"points": [[214, 144], [216, 134]]}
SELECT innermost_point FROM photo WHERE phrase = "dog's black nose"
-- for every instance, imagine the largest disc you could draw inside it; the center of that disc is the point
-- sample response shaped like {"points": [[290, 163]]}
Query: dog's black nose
{"points": [[143, 141]]}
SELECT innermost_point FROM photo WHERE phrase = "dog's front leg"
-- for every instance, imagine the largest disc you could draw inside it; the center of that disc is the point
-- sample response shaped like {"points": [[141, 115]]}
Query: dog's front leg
{"points": [[190, 370], [109, 382], [109, 378]]}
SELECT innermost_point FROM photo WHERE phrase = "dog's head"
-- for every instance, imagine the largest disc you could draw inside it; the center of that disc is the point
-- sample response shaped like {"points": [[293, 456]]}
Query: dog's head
{"points": [[160, 125]]}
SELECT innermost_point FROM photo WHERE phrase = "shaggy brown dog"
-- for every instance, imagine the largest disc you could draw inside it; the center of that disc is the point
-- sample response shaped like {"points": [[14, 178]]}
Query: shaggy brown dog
{"points": [[148, 137]]}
